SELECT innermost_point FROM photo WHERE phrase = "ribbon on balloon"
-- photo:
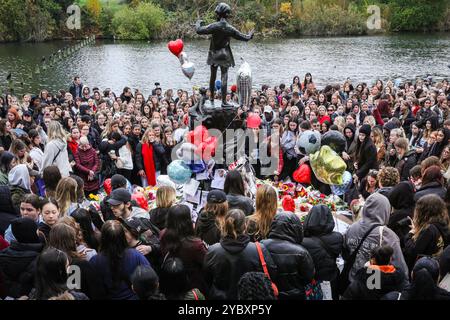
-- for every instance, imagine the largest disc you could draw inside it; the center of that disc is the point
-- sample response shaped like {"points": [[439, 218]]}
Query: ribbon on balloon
{"points": [[176, 47]]}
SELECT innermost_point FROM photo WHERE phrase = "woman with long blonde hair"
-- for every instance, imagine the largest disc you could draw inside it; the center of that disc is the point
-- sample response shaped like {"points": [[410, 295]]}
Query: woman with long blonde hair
{"points": [[149, 158], [56, 149], [166, 197], [258, 224], [378, 140], [67, 196]]}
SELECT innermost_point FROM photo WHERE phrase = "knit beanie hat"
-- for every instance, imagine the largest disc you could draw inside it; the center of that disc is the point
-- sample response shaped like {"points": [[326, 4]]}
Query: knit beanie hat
{"points": [[366, 129], [25, 230]]}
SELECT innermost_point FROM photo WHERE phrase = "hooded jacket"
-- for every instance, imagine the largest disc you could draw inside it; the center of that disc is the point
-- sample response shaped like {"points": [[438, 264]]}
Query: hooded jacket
{"points": [[322, 242], [20, 184], [350, 147], [402, 200], [16, 264], [376, 212], [227, 261], [294, 263], [206, 228], [56, 154]]}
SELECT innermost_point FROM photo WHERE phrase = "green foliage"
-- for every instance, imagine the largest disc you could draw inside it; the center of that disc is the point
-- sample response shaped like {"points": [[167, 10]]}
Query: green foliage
{"points": [[142, 22], [38, 20], [424, 15]]}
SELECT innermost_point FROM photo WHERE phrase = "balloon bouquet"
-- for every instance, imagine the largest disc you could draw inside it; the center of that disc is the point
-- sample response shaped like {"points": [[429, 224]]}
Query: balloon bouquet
{"points": [[194, 154], [327, 165], [176, 47]]}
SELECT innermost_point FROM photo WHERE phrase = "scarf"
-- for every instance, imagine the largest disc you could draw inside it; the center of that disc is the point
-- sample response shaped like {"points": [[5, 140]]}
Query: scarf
{"points": [[149, 163]]}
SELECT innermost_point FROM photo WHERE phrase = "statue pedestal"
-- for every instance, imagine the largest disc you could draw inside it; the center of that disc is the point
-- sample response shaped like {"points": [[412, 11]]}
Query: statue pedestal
{"points": [[214, 115]]}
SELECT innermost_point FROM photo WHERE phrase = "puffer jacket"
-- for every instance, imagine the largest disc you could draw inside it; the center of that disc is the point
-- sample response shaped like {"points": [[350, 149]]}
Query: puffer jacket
{"points": [[226, 262], [294, 263], [322, 242], [17, 266], [376, 212]]}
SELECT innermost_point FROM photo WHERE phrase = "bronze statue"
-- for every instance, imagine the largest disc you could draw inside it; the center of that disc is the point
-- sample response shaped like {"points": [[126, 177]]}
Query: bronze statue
{"points": [[220, 54]]}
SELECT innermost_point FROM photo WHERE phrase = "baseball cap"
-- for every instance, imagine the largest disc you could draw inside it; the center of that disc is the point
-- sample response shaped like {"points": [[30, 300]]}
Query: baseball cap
{"points": [[268, 109], [216, 196], [27, 114], [119, 196]]}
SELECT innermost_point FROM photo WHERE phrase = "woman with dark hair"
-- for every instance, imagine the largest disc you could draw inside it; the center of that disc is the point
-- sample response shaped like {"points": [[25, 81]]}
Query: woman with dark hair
{"points": [[64, 238], [432, 183], [178, 240], [296, 85], [235, 190], [287, 144], [430, 232], [442, 139], [145, 283], [226, 262], [5, 135], [51, 176], [308, 80], [51, 277], [174, 281], [116, 262], [424, 283], [366, 154], [7, 162], [90, 236]]}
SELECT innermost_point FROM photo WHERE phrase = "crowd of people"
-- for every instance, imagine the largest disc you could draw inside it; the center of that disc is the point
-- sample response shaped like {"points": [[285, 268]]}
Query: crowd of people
{"points": [[56, 149]]}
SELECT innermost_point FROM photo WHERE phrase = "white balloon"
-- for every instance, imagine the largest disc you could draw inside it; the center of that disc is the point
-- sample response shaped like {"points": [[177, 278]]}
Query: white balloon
{"points": [[183, 57], [188, 69]]}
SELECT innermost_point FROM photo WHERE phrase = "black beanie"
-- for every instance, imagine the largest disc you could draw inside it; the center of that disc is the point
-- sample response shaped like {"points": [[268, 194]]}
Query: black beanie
{"points": [[366, 129], [25, 230]]}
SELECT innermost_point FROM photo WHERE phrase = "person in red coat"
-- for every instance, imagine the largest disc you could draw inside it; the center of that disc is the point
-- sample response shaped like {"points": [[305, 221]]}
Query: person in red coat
{"points": [[87, 164]]}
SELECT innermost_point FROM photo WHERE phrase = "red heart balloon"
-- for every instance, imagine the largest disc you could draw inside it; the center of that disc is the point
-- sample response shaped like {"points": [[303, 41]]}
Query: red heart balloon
{"points": [[201, 133], [207, 149], [303, 174], [176, 47]]}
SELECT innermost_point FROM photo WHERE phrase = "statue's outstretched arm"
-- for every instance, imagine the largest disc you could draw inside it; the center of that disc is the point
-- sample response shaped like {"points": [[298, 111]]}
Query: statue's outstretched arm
{"points": [[201, 29], [236, 34]]}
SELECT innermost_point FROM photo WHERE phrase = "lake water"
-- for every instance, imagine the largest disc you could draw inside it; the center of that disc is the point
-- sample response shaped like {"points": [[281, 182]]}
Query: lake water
{"points": [[141, 64]]}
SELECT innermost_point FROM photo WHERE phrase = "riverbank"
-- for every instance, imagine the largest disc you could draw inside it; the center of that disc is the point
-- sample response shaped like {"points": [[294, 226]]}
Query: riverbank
{"points": [[175, 19]]}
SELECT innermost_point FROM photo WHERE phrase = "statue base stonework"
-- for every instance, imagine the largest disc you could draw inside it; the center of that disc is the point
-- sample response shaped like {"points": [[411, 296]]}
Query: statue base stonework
{"points": [[214, 115]]}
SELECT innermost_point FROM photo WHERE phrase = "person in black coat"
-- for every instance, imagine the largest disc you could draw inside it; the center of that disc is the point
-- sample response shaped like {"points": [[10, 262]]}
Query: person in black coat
{"points": [[8, 211], [76, 89], [424, 283], [366, 153], [408, 158], [323, 244], [402, 201], [390, 278], [444, 262], [430, 232], [17, 262], [294, 263], [226, 262], [110, 147]]}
